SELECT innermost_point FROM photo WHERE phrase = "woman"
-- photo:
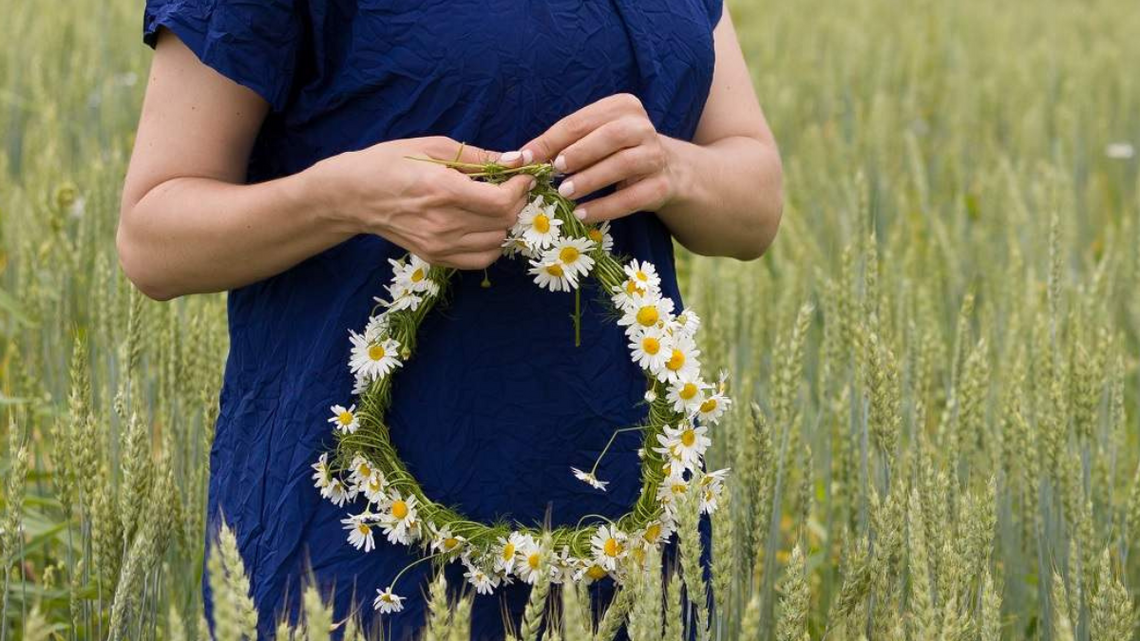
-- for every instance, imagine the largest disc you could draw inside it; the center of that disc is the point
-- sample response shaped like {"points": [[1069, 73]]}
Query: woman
{"points": [[271, 161]]}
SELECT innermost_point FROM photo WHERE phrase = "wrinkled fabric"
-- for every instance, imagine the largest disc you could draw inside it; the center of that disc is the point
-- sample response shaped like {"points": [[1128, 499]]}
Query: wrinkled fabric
{"points": [[497, 404]]}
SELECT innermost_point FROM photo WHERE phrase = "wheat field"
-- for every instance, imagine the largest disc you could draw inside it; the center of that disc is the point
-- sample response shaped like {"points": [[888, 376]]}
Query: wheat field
{"points": [[935, 367]]}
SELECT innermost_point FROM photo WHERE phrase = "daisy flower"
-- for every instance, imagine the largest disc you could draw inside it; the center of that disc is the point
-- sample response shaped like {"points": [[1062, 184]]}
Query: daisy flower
{"points": [[412, 276], [508, 547], [360, 531], [601, 236], [337, 492], [344, 419], [538, 224], [644, 274], [712, 487], [589, 479], [387, 602], [484, 583], [608, 546], [590, 572], [712, 407], [373, 359], [401, 298], [686, 444], [644, 311], [444, 542], [563, 567], [369, 480], [623, 294], [322, 477], [399, 519], [685, 394], [655, 533], [682, 361], [572, 254], [671, 487], [515, 245], [688, 321], [376, 327], [529, 564], [649, 348], [553, 276]]}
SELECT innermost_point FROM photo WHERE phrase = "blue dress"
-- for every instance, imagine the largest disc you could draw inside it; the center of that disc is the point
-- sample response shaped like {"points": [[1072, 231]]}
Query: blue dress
{"points": [[498, 403]]}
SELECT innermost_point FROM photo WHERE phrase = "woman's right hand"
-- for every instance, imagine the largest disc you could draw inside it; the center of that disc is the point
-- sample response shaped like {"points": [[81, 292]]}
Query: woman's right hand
{"points": [[433, 211]]}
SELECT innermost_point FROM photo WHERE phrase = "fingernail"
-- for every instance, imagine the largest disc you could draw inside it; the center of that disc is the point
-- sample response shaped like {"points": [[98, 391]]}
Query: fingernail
{"points": [[560, 163], [527, 156], [566, 188], [580, 213], [530, 185], [510, 156]]}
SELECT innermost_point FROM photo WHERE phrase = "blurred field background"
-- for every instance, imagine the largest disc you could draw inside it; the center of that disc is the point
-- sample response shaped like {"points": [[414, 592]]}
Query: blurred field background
{"points": [[941, 347]]}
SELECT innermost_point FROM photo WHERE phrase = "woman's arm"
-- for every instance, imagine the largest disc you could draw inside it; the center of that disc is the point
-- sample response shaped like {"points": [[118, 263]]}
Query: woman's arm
{"points": [[189, 224], [719, 195]]}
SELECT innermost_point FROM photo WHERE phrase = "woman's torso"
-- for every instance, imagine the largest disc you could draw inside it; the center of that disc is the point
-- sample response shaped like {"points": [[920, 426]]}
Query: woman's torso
{"points": [[498, 403]]}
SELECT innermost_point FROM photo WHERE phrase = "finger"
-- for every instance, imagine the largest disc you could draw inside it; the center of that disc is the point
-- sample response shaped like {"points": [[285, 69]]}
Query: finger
{"points": [[578, 124], [479, 242], [444, 148], [502, 201], [611, 137], [627, 164], [473, 260], [644, 195]]}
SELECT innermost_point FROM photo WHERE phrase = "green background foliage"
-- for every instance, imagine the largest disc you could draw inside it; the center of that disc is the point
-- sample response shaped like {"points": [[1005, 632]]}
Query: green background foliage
{"points": [[941, 346]]}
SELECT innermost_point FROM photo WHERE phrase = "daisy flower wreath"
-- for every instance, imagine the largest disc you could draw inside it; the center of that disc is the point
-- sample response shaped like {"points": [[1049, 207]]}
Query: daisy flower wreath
{"points": [[560, 251]]}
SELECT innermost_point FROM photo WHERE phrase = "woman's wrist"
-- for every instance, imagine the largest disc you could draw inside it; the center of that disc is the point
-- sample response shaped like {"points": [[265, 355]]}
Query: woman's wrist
{"points": [[318, 191], [682, 159]]}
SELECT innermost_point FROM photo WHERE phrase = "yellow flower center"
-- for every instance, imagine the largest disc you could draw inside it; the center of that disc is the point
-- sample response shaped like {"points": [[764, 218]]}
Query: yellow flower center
{"points": [[595, 235], [650, 345], [688, 391], [641, 276], [533, 560], [688, 437], [450, 543], [541, 224], [418, 275], [612, 547], [363, 528], [555, 270], [652, 533], [376, 351], [647, 315], [364, 470], [631, 288], [676, 361], [709, 405], [508, 551], [399, 509], [678, 488], [345, 418], [596, 572], [374, 485], [569, 254], [386, 598]]}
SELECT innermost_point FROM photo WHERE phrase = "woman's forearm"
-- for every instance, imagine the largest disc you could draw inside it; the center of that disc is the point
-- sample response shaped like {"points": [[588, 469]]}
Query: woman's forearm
{"points": [[728, 196], [192, 235]]}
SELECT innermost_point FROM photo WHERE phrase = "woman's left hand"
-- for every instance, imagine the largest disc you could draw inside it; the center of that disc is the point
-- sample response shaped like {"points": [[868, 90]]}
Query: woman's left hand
{"points": [[609, 142]]}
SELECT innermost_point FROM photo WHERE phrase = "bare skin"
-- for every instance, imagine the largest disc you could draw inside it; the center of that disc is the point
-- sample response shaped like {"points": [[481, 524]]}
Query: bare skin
{"points": [[189, 224]]}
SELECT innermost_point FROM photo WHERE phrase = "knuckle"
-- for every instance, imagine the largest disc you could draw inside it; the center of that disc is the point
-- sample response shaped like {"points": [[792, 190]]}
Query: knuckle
{"points": [[628, 101]]}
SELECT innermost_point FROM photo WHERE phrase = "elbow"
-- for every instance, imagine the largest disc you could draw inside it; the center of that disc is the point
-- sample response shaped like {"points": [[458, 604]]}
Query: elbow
{"points": [[134, 263], [766, 215]]}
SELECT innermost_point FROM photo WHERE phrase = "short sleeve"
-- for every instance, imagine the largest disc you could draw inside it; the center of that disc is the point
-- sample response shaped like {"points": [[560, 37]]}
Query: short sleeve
{"points": [[252, 42], [715, 7]]}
